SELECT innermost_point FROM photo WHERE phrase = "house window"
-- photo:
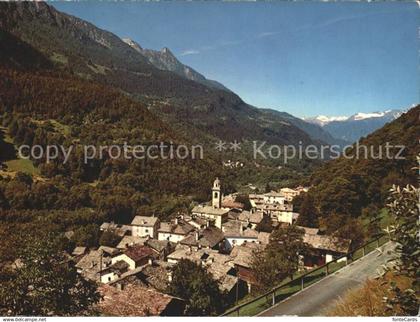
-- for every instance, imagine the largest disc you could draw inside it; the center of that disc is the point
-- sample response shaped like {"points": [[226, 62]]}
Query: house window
{"points": [[109, 278], [146, 230]]}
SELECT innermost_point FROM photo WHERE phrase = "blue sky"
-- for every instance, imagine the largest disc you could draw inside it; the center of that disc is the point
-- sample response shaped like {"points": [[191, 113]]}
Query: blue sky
{"points": [[303, 58]]}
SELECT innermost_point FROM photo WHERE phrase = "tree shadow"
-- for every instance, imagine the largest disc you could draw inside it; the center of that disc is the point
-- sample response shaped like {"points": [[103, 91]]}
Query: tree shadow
{"points": [[7, 150]]}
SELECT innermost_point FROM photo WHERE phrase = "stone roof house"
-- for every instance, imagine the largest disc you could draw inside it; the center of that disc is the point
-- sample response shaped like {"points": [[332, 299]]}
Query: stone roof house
{"points": [[161, 247], [135, 300], [216, 215], [174, 231], [325, 249], [128, 241], [145, 226], [92, 263], [210, 237], [79, 250], [120, 230], [135, 256]]}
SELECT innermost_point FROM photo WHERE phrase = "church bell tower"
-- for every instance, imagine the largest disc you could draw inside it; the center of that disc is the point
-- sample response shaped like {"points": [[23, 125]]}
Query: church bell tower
{"points": [[216, 194]]}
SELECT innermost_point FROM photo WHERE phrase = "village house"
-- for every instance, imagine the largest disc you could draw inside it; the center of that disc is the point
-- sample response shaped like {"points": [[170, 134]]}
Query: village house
{"points": [[287, 217], [275, 205], [161, 247], [237, 234], [222, 269], [92, 263], [79, 251], [134, 300], [325, 249], [216, 216], [174, 231], [289, 193], [128, 241], [250, 219], [274, 197], [158, 275], [242, 259], [113, 271], [109, 251], [210, 237], [145, 226], [135, 256], [120, 230], [281, 213], [196, 222], [231, 203]]}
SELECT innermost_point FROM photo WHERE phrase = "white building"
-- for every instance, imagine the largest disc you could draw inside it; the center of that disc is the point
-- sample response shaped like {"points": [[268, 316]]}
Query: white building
{"points": [[145, 226], [287, 217], [236, 234], [217, 216], [274, 197], [174, 231]]}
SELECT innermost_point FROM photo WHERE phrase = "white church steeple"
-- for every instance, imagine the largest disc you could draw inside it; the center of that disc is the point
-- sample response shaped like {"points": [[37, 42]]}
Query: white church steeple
{"points": [[216, 200]]}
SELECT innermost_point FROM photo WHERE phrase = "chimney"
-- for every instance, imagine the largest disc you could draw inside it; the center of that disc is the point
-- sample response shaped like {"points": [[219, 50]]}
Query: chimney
{"points": [[176, 221], [150, 261], [120, 286], [197, 235]]}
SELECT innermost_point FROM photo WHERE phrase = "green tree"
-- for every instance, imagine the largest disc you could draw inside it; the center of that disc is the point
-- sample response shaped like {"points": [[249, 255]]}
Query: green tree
{"points": [[280, 258], [308, 213], [265, 225], [87, 236], [193, 283], [109, 238], [404, 207], [244, 199], [45, 283], [372, 213]]}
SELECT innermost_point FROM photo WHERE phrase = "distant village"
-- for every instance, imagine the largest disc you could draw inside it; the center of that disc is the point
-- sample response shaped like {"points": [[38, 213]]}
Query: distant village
{"points": [[220, 235]]}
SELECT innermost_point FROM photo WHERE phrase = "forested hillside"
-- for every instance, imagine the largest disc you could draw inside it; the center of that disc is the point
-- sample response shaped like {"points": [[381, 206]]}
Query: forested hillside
{"points": [[42, 105], [79, 47], [348, 189]]}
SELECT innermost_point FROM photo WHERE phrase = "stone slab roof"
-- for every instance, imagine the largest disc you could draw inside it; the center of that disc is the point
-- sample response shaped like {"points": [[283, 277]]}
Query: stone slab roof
{"points": [[133, 300], [144, 221], [209, 210], [330, 243]]}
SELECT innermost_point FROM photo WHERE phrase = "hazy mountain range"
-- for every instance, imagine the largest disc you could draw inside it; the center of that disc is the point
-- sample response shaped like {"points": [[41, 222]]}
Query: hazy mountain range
{"points": [[352, 128]]}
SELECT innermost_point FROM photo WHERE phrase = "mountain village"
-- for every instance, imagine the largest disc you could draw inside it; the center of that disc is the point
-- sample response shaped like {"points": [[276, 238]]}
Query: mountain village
{"points": [[219, 235]]}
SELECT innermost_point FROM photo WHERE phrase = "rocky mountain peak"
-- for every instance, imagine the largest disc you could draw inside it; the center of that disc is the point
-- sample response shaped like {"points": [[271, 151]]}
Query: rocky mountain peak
{"points": [[133, 44]]}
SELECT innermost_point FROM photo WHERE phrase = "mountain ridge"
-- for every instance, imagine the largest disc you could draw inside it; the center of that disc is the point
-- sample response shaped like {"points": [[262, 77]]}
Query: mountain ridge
{"points": [[164, 59], [82, 49]]}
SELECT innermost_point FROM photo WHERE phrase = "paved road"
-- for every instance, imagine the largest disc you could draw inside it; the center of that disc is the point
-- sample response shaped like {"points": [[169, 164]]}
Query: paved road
{"points": [[318, 298]]}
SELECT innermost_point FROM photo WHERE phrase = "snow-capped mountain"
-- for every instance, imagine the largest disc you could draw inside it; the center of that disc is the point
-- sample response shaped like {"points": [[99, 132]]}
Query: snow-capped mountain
{"points": [[352, 128], [323, 119], [390, 114]]}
